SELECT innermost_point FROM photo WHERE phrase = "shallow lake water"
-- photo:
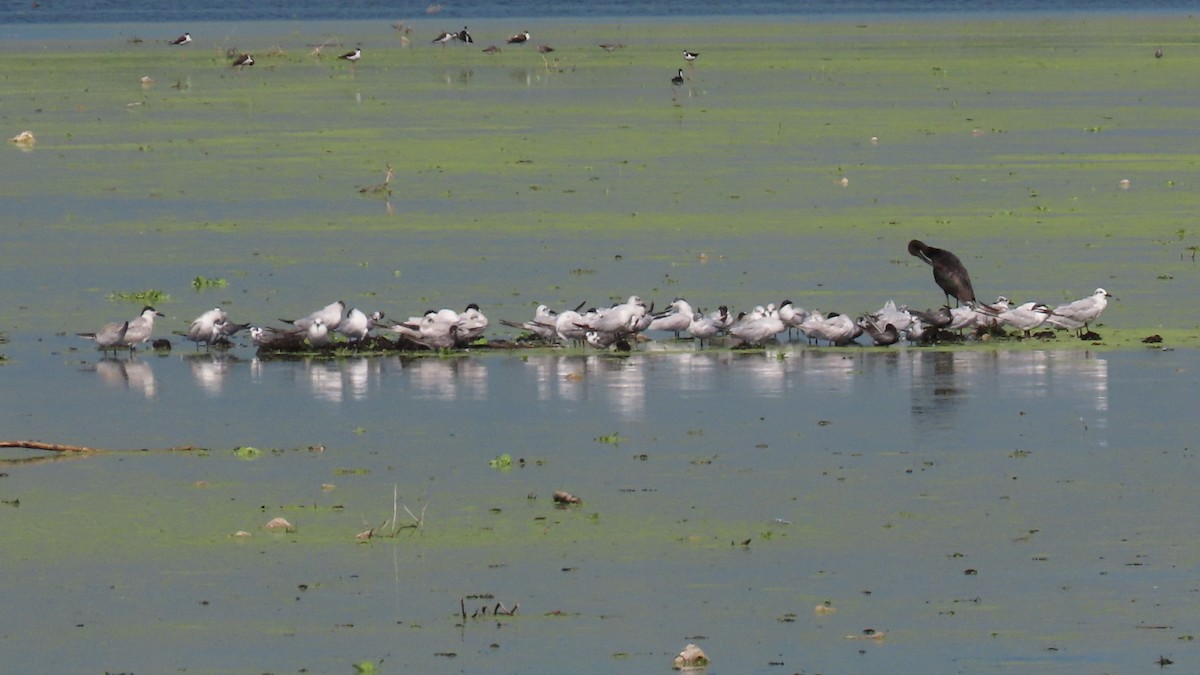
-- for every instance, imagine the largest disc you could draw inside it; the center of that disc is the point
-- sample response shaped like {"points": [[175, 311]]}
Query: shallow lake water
{"points": [[1011, 508], [989, 510]]}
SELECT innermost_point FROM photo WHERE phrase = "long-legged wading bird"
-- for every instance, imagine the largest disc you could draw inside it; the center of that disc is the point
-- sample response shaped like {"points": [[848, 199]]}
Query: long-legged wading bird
{"points": [[948, 272]]}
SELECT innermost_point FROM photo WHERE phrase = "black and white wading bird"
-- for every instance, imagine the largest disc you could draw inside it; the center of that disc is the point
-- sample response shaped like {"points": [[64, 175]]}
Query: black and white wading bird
{"points": [[519, 39], [690, 56], [352, 56], [465, 37], [184, 39], [243, 61], [948, 272]]}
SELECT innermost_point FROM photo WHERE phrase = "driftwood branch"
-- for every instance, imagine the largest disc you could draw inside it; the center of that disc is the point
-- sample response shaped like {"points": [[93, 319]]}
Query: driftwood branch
{"points": [[85, 450]]}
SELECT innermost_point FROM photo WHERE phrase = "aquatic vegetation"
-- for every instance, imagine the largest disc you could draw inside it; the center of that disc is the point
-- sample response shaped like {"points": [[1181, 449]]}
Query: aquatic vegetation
{"points": [[146, 297], [247, 452], [201, 283]]}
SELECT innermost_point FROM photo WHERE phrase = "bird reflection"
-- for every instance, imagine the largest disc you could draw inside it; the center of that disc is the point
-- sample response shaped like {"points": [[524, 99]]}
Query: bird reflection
{"points": [[209, 370], [128, 373], [936, 394], [333, 381], [324, 379], [449, 379], [625, 385], [763, 374]]}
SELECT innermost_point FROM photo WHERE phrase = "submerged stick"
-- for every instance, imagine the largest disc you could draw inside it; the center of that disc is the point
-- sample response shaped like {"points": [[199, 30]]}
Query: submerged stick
{"points": [[83, 449]]}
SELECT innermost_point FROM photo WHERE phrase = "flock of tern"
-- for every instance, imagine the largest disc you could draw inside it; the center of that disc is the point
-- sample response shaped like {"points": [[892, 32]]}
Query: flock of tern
{"points": [[618, 325]]}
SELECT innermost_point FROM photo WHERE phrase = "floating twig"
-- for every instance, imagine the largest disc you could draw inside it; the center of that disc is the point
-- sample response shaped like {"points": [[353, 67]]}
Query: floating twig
{"points": [[83, 449]]}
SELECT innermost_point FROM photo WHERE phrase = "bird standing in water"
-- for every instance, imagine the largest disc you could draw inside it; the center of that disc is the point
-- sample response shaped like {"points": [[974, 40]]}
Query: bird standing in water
{"points": [[948, 272]]}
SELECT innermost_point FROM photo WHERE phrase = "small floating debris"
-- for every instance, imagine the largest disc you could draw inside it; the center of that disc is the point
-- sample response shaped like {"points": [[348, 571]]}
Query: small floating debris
{"points": [[691, 658], [868, 634], [825, 608], [146, 80], [23, 138], [242, 533], [563, 497]]}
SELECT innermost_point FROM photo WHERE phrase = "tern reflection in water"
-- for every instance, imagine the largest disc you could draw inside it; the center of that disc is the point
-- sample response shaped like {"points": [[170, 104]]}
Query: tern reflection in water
{"points": [[130, 374]]}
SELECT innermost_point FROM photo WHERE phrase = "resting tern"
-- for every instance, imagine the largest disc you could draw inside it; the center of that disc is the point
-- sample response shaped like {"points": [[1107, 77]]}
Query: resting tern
{"points": [[139, 330], [211, 327], [357, 325], [706, 327], [274, 338], [619, 319], [1026, 317], [791, 315], [330, 315], [471, 325], [676, 319], [318, 333], [757, 327], [111, 336], [542, 324], [1077, 315], [889, 313], [882, 337], [837, 329]]}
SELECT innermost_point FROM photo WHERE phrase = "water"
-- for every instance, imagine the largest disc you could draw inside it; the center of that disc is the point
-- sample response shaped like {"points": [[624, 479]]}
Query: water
{"points": [[873, 480], [114, 11]]}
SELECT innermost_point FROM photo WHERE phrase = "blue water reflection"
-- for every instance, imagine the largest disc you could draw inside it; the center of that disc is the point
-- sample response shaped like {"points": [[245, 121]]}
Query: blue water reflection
{"points": [[936, 394]]}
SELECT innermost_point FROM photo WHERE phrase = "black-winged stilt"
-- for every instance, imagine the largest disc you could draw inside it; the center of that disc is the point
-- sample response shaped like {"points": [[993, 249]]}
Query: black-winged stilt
{"points": [[519, 39]]}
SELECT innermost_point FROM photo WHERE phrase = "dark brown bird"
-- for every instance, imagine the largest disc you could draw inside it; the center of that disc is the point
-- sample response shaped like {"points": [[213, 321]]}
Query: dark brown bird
{"points": [[948, 272]]}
